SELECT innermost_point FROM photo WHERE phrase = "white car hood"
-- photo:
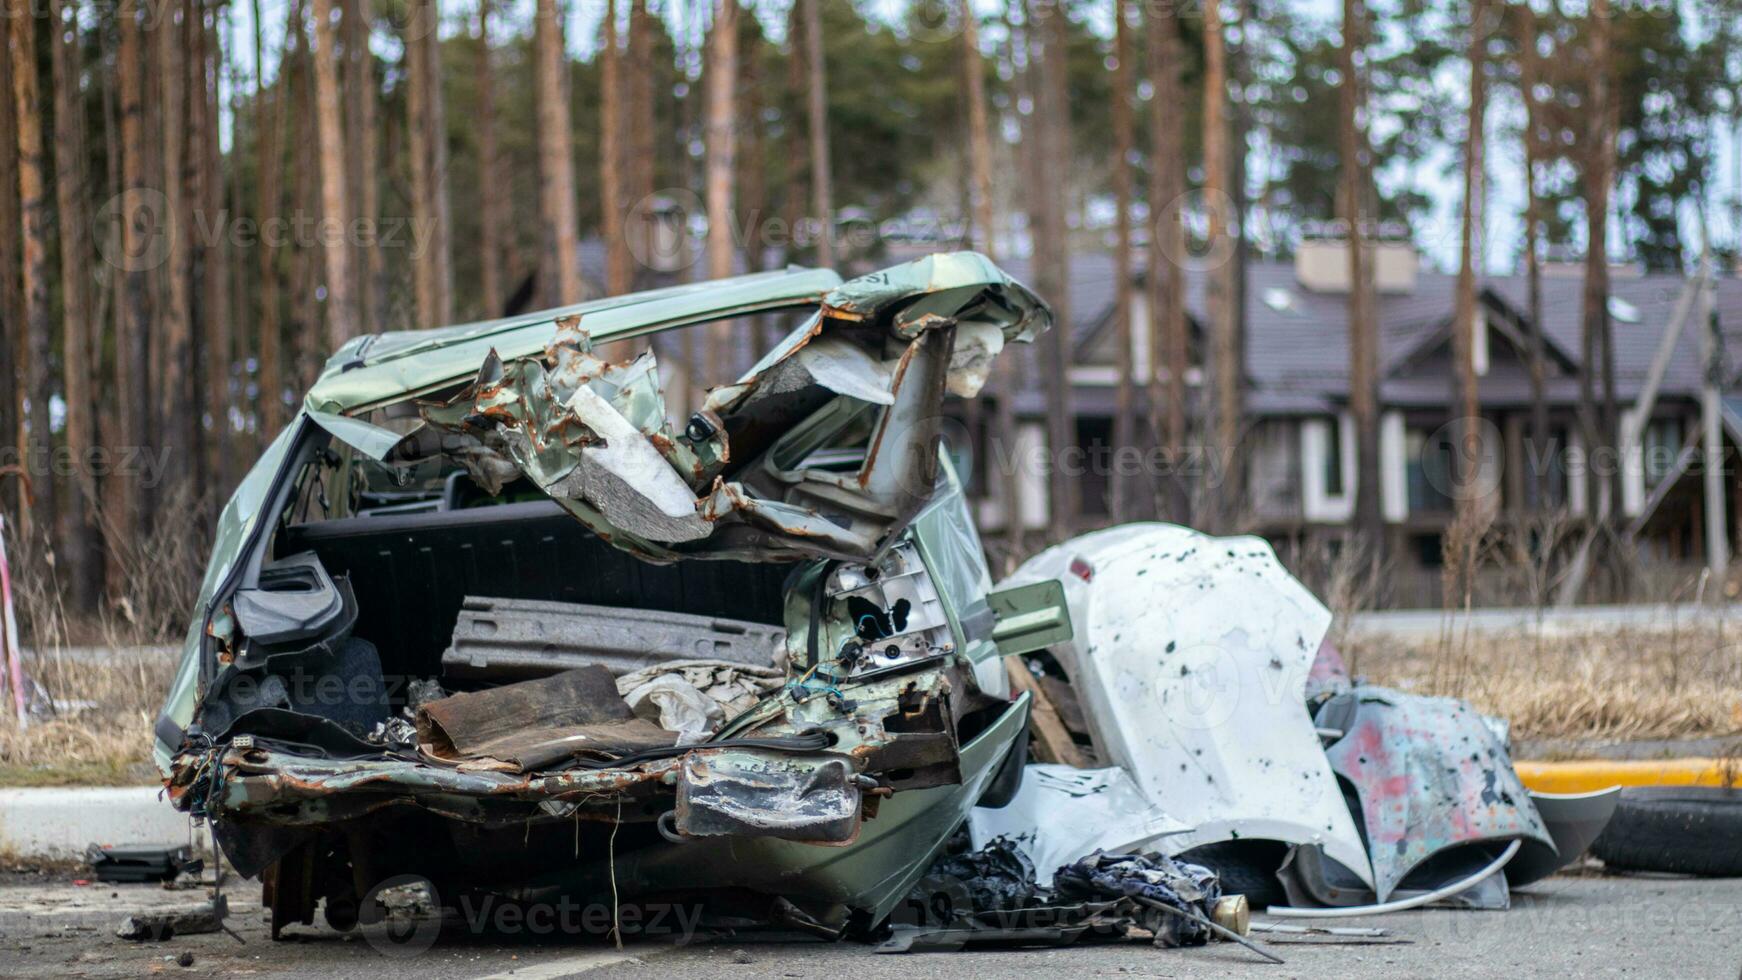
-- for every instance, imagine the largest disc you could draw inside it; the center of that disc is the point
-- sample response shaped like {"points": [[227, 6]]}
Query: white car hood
{"points": [[1191, 657]]}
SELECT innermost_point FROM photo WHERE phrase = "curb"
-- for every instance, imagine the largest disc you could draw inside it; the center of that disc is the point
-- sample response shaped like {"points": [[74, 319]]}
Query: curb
{"points": [[1594, 774], [58, 823]]}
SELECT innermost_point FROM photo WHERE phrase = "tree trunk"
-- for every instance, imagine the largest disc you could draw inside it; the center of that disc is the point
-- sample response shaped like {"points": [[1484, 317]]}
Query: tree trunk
{"points": [[34, 215], [1363, 328], [490, 181], [795, 185], [426, 127], [639, 179], [175, 396], [269, 147], [1224, 327], [303, 326], [1169, 330], [217, 326], [368, 264], [140, 218], [14, 375], [751, 188], [1125, 412], [979, 130], [722, 148], [83, 553], [1053, 263], [559, 272], [1467, 458], [335, 210], [1002, 440], [817, 126], [111, 350], [1599, 185], [619, 271], [1530, 68]]}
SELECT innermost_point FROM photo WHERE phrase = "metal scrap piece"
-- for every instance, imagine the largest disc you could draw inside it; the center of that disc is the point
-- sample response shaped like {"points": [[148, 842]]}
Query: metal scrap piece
{"points": [[755, 793], [516, 639], [532, 724], [1430, 776]]}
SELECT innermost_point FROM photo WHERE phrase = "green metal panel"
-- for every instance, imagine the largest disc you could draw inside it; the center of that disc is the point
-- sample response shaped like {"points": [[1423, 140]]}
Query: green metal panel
{"points": [[1031, 617]]}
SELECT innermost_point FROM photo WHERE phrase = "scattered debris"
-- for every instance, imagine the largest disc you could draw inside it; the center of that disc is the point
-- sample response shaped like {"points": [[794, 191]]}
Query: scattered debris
{"points": [[1061, 814], [1159, 882], [995, 877], [1285, 929], [158, 925], [1240, 723], [131, 865], [991, 896]]}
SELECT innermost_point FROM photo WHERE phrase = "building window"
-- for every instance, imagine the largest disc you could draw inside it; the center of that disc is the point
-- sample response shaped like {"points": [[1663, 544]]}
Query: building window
{"points": [[1334, 458], [1553, 459], [1095, 481], [1430, 470], [1663, 443], [1430, 550]]}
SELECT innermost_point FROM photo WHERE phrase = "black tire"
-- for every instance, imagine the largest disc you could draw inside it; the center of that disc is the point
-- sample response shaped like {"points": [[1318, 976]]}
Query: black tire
{"points": [[1691, 830], [1246, 867]]}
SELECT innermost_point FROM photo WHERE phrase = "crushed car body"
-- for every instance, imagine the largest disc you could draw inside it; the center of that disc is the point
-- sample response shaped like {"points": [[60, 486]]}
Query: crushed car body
{"points": [[485, 615], [1202, 670]]}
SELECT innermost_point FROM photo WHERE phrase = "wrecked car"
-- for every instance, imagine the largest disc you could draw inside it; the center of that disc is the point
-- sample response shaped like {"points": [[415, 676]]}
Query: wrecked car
{"points": [[485, 615]]}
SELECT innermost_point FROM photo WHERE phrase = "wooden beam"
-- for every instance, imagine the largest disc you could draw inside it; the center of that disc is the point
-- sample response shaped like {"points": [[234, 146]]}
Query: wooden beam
{"points": [[1054, 739]]}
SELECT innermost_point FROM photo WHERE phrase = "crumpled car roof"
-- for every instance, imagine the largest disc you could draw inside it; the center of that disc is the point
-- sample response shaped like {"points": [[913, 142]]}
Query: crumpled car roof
{"points": [[383, 367]]}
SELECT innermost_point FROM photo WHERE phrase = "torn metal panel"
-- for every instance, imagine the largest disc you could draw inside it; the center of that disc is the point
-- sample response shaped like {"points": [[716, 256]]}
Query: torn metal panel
{"points": [[595, 437], [531, 724], [814, 799], [1191, 655], [1430, 775], [501, 640], [1063, 814]]}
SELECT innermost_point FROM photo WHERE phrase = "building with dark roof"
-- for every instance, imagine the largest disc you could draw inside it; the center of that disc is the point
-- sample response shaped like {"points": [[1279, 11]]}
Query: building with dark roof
{"points": [[1300, 441]]}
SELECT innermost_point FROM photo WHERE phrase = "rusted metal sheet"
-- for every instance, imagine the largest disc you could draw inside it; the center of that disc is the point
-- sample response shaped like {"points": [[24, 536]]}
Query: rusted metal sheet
{"points": [[815, 799], [532, 724]]}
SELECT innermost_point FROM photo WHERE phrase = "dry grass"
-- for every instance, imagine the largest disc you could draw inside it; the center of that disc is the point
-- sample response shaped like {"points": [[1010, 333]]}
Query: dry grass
{"points": [[101, 734], [1661, 683], [92, 719]]}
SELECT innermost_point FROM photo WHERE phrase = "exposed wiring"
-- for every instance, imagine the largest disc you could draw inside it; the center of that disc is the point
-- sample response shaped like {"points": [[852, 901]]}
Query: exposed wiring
{"points": [[611, 856]]}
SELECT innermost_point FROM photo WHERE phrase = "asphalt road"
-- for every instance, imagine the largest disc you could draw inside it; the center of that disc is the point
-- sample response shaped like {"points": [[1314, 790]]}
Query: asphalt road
{"points": [[1566, 926]]}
